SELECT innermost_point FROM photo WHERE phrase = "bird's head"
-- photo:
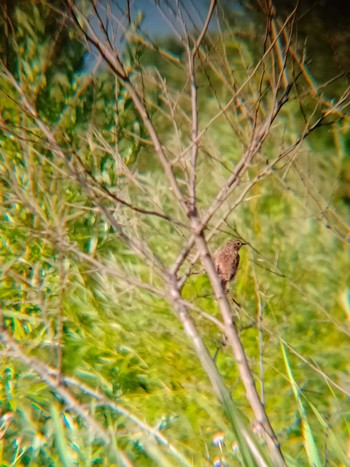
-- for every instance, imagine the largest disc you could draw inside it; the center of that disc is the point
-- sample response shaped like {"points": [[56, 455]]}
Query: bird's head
{"points": [[237, 243]]}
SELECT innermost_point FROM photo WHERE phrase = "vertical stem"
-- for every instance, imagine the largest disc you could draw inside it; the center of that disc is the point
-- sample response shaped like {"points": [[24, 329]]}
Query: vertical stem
{"points": [[261, 339], [237, 348]]}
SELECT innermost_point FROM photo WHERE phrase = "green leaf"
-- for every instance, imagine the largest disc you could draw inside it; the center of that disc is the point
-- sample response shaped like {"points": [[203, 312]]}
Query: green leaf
{"points": [[309, 440]]}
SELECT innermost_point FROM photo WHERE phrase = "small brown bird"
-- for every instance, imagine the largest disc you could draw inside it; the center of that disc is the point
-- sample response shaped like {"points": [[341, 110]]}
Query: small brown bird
{"points": [[227, 261]]}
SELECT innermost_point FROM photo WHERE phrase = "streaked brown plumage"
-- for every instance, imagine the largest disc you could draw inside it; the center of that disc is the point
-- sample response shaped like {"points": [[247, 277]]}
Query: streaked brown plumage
{"points": [[227, 261]]}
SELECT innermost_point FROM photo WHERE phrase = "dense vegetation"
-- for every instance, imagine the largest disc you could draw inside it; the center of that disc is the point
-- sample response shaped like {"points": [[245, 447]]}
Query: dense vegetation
{"points": [[98, 366]]}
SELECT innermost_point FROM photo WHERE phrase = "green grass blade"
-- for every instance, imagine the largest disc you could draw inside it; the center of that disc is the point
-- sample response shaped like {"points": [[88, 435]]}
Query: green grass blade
{"points": [[309, 441]]}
